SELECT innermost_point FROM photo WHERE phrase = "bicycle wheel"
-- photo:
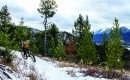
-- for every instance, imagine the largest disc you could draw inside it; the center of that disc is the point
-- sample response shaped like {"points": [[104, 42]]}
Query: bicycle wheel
{"points": [[32, 57], [24, 55]]}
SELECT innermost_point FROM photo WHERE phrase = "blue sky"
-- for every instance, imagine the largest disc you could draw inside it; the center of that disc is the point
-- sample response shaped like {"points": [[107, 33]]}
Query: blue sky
{"points": [[101, 13]]}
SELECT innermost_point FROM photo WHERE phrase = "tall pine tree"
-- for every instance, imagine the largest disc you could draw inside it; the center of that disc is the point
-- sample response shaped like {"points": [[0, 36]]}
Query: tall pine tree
{"points": [[87, 48], [53, 33], [5, 35], [114, 49], [79, 25], [5, 18], [47, 9]]}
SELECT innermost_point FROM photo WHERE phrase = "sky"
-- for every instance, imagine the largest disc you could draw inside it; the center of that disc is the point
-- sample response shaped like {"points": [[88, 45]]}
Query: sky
{"points": [[101, 13]]}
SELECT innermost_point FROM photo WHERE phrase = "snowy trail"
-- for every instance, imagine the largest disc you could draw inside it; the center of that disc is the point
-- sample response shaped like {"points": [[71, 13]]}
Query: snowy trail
{"points": [[51, 72], [46, 70]]}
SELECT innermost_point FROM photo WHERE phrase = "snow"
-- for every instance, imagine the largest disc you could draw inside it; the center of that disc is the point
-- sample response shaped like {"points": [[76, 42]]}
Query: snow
{"points": [[128, 48], [6, 73], [47, 69], [98, 31], [107, 30]]}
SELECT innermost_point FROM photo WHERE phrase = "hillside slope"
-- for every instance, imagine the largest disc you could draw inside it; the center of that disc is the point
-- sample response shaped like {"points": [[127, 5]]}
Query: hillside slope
{"points": [[43, 69]]}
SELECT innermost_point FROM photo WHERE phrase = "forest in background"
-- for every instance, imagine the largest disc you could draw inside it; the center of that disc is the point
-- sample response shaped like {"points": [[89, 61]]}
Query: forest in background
{"points": [[63, 45]]}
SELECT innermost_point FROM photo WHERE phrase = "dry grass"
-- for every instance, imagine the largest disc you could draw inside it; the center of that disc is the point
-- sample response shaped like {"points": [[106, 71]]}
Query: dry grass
{"points": [[80, 65], [64, 64], [39, 55], [126, 72], [13, 67], [32, 76]]}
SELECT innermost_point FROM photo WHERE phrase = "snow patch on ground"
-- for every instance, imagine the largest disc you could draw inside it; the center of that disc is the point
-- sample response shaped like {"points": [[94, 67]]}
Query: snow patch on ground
{"points": [[47, 69], [128, 48]]}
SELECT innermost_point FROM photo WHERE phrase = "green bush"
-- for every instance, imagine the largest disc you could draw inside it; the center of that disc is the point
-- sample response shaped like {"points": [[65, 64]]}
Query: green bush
{"points": [[7, 56]]}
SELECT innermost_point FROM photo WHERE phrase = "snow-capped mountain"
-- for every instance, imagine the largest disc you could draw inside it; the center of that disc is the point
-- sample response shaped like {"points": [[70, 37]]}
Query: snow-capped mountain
{"points": [[98, 35], [101, 31], [124, 29], [98, 31], [107, 31]]}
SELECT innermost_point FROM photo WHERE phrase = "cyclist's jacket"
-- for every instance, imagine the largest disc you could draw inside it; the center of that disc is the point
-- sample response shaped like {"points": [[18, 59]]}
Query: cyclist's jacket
{"points": [[25, 44]]}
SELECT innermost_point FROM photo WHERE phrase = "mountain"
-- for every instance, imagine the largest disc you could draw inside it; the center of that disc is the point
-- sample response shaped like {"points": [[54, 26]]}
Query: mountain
{"points": [[35, 31], [98, 31], [98, 35]]}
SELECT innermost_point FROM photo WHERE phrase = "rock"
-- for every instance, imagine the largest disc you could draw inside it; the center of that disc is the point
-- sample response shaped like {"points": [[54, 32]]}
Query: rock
{"points": [[6, 73]]}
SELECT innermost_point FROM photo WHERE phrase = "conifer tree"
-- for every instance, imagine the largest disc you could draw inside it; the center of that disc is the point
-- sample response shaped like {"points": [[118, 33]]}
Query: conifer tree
{"points": [[21, 33], [40, 41], [5, 18], [59, 50], [87, 48], [21, 22], [114, 49], [33, 47], [6, 42], [47, 9], [5, 35], [79, 25], [53, 33]]}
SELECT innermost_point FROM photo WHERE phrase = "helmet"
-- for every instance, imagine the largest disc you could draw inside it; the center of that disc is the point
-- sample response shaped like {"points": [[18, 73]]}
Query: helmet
{"points": [[27, 41]]}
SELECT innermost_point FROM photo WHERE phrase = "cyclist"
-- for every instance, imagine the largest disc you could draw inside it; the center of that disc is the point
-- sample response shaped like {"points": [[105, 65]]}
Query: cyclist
{"points": [[25, 45]]}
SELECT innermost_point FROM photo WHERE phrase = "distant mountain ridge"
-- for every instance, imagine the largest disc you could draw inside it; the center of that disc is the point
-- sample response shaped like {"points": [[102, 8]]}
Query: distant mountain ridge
{"points": [[101, 31], [98, 35]]}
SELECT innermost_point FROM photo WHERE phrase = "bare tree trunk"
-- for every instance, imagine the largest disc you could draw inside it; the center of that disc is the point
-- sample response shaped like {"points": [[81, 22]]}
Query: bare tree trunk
{"points": [[45, 25]]}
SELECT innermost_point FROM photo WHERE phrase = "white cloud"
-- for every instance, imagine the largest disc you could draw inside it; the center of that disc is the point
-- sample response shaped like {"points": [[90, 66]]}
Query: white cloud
{"points": [[101, 13]]}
